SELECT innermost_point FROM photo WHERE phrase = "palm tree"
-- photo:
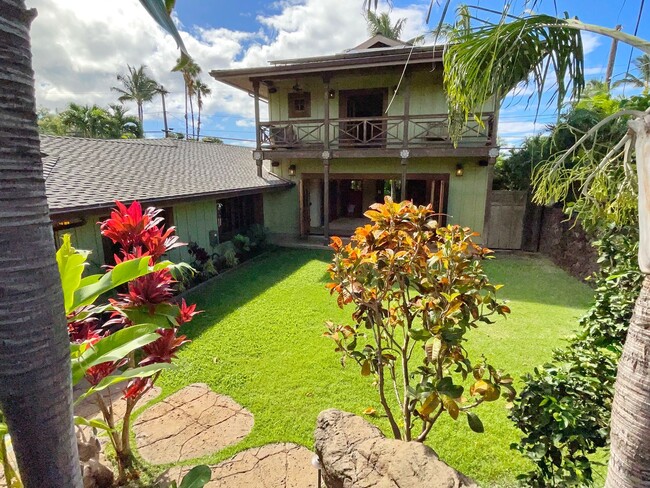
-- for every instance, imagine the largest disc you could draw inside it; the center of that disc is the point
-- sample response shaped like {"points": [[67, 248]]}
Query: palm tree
{"points": [[137, 87], [162, 92], [488, 61], [87, 121], [642, 63], [123, 126], [36, 392], [381, 24], [190, 70], [202, 90]]}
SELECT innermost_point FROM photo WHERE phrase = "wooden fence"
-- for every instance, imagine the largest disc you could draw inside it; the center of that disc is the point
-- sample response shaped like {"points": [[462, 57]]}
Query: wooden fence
{"points": [[506, 223]]}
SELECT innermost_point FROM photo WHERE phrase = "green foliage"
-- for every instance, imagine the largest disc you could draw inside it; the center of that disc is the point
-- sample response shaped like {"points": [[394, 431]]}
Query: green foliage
{"points": [[514, 171], [197, 477], [564, 409], [209, 139], [490, 59], [379, 23], [50, 123], [258, 236], [242, 243], [415, 286], [93, 122]]}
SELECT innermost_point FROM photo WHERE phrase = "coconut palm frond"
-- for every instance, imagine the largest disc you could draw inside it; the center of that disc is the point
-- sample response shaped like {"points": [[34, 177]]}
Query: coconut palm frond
{"points": [[160, 11], [486, 62]]}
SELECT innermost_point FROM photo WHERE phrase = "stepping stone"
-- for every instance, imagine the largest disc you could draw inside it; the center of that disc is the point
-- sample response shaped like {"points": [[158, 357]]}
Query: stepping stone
{"points": [[191, 423], [272, 466]]}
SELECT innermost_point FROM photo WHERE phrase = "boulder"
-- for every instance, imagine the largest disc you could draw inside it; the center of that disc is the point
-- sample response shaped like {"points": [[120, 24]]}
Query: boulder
{"points": [[355, 454]]}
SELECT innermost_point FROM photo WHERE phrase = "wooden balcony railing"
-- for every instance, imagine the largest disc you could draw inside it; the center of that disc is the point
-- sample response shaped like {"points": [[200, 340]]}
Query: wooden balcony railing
{"points": [[373, 132]]}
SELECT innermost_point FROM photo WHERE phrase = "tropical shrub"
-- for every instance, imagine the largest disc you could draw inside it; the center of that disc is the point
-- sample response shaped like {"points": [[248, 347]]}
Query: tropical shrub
{"points": [[258, 236], [134, 336], [242, 243], [416, 287], [564, 408]]}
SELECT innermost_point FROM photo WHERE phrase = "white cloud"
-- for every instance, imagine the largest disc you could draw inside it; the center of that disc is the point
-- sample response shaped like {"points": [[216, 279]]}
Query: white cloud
{"points": [[79, 46], [526, 128], [590, 42]]}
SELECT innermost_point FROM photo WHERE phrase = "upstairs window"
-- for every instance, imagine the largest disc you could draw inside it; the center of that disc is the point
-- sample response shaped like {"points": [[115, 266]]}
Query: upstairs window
{"points": [[299, 104]]}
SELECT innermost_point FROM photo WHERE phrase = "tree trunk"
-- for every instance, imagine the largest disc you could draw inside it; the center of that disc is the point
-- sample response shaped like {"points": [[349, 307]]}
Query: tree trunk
{"points": [[198, 124], [629, 464], [36, 391], [192, 112], [187, 127]]}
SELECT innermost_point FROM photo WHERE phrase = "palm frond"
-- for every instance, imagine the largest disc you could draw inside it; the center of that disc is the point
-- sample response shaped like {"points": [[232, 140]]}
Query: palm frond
{"points": [[486, 62]]}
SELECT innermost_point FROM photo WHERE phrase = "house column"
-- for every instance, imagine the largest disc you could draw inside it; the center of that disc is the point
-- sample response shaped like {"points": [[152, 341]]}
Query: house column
{"points": [[404, 154], [258, 141], [326, 195]]}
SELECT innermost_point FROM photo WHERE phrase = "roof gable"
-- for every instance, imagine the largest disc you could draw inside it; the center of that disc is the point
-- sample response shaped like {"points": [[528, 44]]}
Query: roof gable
{"points": [[379, 41]]}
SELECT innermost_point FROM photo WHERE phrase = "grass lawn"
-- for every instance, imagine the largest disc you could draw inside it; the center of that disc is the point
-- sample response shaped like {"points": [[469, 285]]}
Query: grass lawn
{"points": [[259, 341]]}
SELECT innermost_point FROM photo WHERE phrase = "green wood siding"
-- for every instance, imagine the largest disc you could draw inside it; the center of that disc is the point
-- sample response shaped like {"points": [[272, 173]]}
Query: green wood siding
{"points": [[88, 238], [193, 222], [466, 196]]}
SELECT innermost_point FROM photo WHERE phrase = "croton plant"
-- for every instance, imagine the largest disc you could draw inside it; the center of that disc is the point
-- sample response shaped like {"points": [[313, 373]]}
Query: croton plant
{"points": [[127, 341], [417, 289]]}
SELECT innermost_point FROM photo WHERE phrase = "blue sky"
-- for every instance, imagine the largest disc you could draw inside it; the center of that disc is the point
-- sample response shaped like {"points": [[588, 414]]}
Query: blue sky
{"points": [[79, 46]]}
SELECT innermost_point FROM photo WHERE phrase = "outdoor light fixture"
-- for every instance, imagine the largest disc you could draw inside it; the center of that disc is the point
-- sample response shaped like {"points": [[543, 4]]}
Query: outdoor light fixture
{"points": [[459, 170], [292, 170], [297, 88], [331, 94]]}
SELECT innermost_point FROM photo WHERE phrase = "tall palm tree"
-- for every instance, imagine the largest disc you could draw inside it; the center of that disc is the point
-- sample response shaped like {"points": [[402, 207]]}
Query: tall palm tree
{"points": [[36, 391], [381, 24], [190, 70], [489, 60], [136, 87], [202, 90], [642, 64], [35, 373], [163, 93]]}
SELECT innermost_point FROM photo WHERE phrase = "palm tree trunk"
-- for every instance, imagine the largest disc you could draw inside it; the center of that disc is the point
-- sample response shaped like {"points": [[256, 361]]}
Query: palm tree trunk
{"points": [[141, 116], [629, 464], [192, 112], [187, 127], [36, 391], [198, 124]]}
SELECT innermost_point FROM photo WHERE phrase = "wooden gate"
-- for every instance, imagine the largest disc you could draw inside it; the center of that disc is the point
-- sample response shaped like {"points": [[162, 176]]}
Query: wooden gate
{"points": [[506, 224]]}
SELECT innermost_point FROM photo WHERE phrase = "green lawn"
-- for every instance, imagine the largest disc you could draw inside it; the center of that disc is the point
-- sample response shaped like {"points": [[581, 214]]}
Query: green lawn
{"points": [[259, 341]]}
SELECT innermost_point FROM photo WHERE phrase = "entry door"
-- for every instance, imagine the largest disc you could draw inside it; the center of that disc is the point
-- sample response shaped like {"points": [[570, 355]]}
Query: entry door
{"points": [[439, 190], [304, 207], [366, 109]]}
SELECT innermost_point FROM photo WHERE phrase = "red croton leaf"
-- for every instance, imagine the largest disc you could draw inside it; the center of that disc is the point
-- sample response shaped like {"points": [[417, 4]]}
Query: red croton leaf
{"points": [[132, 228], [186, 312], [96, 373], [164, 349]]}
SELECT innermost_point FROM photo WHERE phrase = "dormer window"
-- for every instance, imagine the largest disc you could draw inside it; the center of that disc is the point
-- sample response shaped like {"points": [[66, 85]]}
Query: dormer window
{"points": [[300, 104]]}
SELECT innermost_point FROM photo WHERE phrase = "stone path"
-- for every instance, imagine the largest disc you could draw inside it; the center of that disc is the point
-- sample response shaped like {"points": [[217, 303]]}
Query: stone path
{"points": [[191, 423], [271, 466]]}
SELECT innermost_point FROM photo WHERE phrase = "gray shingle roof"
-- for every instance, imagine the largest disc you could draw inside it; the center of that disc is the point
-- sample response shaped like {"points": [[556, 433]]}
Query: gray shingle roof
{"points": [[92, 173]]}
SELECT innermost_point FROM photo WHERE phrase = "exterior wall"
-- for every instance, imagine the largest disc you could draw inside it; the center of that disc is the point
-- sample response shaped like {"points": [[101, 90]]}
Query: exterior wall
{"points": [[466, 198], [427, 94], [86, 237], [193, 222]]}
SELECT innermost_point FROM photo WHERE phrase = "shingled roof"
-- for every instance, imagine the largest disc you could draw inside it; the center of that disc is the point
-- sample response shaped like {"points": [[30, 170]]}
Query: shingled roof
{"points": [[86, 174]]}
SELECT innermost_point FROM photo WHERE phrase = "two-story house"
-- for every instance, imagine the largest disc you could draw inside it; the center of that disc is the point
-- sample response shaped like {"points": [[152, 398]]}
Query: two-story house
{"points": [[351, 128]]}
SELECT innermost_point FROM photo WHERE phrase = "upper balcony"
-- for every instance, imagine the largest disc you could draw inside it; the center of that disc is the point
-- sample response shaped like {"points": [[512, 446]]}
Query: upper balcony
{"points": [[365, 136]]}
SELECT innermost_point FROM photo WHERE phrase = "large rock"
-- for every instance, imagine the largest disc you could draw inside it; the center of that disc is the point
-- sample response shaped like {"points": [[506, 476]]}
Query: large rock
{"points": [[355, 454]]}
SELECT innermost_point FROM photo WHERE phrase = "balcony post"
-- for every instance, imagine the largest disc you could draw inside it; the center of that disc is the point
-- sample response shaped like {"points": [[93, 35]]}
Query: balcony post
{"points": [[326, 195], [407, 107], [256, 96], [404, 154], [326, 111]]}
